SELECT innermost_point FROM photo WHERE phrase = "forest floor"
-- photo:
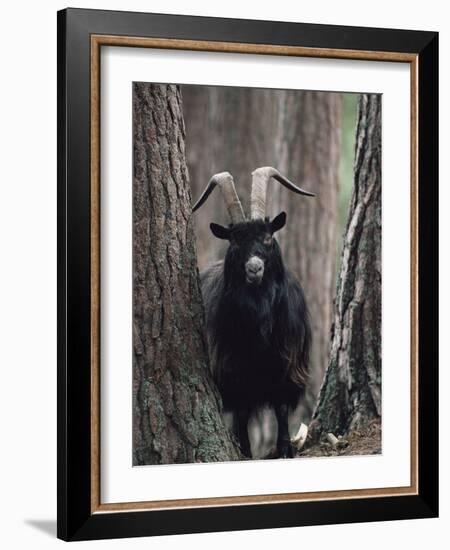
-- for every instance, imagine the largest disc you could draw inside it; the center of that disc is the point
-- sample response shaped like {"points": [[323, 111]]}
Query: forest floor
{"points": [[357, 442], [366, 441]]}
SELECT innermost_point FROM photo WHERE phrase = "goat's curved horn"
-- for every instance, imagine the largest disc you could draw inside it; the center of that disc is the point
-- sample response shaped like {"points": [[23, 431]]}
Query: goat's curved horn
{"points": [[260, 179], [225, 181]]}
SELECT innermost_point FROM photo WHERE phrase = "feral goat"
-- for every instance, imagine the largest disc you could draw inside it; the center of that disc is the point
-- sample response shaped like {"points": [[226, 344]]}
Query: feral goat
{"points": [[257, 319]]}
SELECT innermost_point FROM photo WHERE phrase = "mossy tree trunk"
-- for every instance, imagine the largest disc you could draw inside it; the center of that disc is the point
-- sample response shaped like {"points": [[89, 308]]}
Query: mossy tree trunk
{"points": [[176, 408], [350, 396]]}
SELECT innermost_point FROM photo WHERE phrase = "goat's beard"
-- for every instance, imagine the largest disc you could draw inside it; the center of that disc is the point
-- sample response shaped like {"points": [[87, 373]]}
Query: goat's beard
{"points": [[253, 282]]}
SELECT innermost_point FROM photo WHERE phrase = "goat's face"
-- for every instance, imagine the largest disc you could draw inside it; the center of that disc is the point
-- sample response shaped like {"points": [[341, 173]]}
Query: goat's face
{"points": [[253, 252]]}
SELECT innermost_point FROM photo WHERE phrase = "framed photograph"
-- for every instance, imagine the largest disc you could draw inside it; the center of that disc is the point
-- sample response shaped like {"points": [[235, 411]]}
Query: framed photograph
{"points": [[247, 257]]}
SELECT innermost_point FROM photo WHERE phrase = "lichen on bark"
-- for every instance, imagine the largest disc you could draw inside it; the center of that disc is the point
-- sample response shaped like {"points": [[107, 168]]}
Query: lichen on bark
{"points": [[350, 395]]}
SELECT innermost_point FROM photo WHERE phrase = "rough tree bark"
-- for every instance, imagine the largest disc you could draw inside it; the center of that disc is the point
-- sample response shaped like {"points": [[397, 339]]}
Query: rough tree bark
{"points": [[350, 396], [307, 145], [176, 408]]}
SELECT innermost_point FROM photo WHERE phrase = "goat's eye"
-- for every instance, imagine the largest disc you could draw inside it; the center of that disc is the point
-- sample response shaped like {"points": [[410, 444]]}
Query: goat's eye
{"points": [[267, 240]]}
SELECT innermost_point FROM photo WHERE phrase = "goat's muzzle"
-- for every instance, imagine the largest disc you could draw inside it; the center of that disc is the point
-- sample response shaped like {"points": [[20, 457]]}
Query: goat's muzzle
{"points": [[254, 270]]}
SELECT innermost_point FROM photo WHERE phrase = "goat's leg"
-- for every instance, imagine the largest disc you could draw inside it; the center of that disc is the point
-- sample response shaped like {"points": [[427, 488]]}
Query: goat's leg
{"points": [[284, 446], [240, 428]]}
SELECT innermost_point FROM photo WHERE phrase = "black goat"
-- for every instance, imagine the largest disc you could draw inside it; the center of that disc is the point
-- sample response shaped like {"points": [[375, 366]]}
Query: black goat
{"points": [[257, 319]]}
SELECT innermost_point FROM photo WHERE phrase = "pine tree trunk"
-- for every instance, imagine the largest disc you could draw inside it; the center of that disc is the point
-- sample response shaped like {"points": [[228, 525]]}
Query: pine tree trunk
{"points": [[308, 140], [176, 407], [350, 396]]}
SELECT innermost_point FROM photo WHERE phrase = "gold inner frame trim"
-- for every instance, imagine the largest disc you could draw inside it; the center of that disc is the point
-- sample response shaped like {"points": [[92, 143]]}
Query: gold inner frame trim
{"points": [[230, 47]]}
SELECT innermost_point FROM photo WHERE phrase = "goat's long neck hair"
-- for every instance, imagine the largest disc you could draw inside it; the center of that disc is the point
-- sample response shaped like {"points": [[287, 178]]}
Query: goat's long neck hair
{"points": [[270, 316]]}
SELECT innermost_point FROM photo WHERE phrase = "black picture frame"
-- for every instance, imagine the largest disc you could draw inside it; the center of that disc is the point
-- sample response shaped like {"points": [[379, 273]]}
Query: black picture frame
{"points": [[75, 518]]}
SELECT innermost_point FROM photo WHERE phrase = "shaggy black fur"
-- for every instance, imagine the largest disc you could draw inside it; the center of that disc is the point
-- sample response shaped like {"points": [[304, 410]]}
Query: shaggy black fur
{"points": [[259, 334]]}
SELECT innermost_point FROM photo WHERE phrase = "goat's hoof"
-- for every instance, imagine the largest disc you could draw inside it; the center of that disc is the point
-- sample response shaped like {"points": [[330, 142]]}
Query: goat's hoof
{"points": [[286, 450], [246, 453]]}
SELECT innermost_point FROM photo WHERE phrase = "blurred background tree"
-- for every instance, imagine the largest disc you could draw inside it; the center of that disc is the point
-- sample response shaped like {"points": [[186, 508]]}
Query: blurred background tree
{"points": [[226, 129], [309, 137], [307, 149]]}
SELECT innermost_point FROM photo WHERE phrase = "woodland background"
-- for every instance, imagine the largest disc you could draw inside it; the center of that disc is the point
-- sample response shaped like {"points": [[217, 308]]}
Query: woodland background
{"points": [[182, 136]]}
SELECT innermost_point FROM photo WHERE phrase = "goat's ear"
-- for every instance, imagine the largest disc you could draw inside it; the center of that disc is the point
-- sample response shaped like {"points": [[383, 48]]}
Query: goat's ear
{"points": [[278, 222], [219, 231]]}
